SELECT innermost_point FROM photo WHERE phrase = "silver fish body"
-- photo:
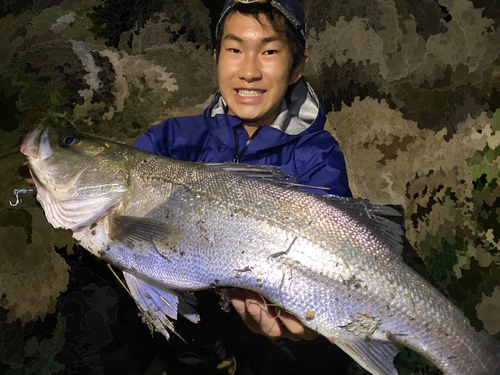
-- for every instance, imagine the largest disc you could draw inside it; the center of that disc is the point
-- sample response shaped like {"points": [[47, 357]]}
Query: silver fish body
{"points": [[176, 226]]}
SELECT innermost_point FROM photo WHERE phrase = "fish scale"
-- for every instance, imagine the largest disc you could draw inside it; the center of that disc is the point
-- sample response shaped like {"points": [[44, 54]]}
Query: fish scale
{"points": [[175, 227]]}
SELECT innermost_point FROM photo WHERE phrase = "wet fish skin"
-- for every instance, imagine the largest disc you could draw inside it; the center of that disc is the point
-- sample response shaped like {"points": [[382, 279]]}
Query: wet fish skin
{"points": [[174, 226]]}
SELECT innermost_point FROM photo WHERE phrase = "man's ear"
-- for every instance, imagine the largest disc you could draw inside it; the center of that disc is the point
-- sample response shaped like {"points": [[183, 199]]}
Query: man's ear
{"points": [[216, 57], [298, 71]]}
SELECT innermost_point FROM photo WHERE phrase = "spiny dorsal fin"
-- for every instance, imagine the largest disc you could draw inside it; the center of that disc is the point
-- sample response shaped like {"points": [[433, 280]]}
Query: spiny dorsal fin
{"points": [[267, 172]]}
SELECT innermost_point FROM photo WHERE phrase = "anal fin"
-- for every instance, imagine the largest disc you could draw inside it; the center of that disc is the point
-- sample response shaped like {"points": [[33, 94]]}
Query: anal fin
{"points": [[374, 355]]}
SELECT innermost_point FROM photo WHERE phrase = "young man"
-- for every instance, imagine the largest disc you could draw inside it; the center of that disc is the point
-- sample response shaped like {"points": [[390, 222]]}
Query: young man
{"points": [[265, 113]]}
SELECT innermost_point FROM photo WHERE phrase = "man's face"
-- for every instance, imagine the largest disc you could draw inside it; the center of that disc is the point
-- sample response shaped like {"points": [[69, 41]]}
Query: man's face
{"points": [[254, 69]]}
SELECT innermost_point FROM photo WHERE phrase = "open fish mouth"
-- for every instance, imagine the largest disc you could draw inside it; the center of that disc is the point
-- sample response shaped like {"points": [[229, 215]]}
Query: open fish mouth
{"points": [[36, 146]]}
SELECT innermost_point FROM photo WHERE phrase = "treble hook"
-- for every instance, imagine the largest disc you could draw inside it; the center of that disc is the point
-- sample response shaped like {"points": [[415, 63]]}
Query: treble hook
{"points": [[21, 191]]}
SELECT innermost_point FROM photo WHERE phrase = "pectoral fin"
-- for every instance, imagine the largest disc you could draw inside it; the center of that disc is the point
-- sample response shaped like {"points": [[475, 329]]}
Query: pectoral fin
{"points": [[157, 303], [142, 234]]}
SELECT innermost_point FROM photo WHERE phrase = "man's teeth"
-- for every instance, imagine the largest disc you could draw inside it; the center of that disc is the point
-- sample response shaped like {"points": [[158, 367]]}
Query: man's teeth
{"points": [[249, 93]]}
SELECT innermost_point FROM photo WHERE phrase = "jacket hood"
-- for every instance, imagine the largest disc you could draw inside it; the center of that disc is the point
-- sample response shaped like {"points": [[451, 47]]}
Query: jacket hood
{"points": [[299, 110]]}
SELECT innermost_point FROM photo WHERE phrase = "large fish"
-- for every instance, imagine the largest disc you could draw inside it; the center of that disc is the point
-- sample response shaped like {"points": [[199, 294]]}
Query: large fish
{"points": [[174, 227]]}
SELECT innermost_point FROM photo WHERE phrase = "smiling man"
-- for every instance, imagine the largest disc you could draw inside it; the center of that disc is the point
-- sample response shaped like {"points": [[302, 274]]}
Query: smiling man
{"points": [[255, 68], [265, 113]]}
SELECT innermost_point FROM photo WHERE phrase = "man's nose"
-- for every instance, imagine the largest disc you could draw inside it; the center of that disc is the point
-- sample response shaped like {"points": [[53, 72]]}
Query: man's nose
{"points": [[250, 69]]}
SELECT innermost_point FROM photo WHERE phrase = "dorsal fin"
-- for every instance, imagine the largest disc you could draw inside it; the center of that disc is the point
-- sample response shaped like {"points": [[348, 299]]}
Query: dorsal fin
{"points": [[267, 172]]}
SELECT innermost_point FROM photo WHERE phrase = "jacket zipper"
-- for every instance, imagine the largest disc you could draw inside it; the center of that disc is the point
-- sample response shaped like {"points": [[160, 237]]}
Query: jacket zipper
{"points": [[239, 156]]}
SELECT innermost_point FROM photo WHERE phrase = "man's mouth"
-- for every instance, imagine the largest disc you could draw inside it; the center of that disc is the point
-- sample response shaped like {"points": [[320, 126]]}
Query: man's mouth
{"points": [[249, 93]]}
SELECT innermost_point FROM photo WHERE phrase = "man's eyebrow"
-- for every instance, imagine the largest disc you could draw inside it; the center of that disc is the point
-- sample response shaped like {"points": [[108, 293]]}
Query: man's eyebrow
{"points": [[233, 37], [269, 39]]}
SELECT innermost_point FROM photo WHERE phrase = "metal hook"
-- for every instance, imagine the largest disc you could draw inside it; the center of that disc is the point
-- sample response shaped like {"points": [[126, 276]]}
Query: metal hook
{"points": [[21, 191], [16, 192]]}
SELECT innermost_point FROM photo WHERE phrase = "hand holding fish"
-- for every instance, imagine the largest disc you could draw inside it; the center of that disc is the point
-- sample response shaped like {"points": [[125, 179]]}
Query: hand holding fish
{"points": [[267, 320]]}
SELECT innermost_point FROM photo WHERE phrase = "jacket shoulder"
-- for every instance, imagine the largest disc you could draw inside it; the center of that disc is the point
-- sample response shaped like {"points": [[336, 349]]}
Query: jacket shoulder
{"points": [[161, 139], [319, 161]]}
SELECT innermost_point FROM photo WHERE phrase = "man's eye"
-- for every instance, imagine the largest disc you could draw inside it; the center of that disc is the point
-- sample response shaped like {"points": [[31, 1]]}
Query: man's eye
{"points": [[233, 50], [270, 52]]}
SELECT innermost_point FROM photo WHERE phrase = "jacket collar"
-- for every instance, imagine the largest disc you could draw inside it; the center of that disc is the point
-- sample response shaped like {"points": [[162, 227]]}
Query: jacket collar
{"points": [[299, 109]]}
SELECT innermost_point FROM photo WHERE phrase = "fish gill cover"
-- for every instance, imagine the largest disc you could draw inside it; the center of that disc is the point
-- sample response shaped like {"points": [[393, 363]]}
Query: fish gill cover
{"points": [[412, 93]]}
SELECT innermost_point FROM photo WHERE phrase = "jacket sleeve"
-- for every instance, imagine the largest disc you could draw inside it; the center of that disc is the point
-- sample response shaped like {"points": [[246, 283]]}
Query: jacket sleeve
{"points": [[320, 162]]}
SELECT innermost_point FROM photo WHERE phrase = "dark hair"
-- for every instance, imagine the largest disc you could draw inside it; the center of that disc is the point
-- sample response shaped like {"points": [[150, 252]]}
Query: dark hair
{"points": [[280, 23]]}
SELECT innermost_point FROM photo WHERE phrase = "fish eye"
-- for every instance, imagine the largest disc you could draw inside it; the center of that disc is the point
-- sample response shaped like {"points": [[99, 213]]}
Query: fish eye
{"points": [[69, 140]]}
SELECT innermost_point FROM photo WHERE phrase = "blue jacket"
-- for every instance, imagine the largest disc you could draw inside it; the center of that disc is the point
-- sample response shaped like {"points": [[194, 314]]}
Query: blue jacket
{"points": [[313, 157]]}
